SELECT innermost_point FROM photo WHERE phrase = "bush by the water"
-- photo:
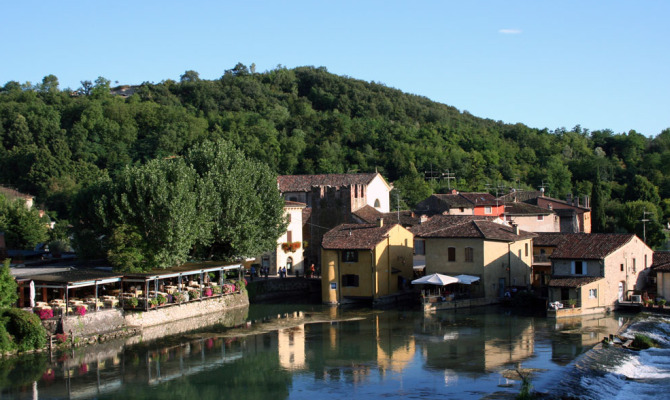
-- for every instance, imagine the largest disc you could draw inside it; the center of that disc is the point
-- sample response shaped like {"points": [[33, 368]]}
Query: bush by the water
{"points": [[25, 328], [643, 342], [6, 343]]}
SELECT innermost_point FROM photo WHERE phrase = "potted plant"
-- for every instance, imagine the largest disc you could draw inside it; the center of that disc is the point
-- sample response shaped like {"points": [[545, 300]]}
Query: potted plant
{"points": [[161, 299], [572, 303], [208, 292], [45, 313], [81, 310], [153, 302], [661, 303], [194, 294], [216, 290], [295, 246], [132, 302], [286, 246], [649, 302]]}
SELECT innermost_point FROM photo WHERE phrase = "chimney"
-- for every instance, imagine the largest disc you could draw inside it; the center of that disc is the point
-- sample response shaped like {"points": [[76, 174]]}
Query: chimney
{"points": [[586, 201], [454, 191], [423, 218], [550, 206], [380, 222], [516, 229]]}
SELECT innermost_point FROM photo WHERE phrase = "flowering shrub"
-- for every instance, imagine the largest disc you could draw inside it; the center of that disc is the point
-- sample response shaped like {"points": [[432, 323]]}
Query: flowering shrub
{"points": [[194, 294], [208, 292], [61, 338], [45, 313], [81, 311], [216, 290], [83, 368], [49, 375]]}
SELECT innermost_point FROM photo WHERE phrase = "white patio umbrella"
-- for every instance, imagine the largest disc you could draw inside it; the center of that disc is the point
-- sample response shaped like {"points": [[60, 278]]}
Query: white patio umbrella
{"points": [[32, 294], [435, 279], [467, 279]]}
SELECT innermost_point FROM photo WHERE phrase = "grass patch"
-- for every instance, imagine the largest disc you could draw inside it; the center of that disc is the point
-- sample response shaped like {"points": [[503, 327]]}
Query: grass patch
{"points": [[643, 342]]}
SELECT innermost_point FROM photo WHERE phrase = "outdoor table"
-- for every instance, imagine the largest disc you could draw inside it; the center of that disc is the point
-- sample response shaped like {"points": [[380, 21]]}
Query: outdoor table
{"points": [[111, 302]]}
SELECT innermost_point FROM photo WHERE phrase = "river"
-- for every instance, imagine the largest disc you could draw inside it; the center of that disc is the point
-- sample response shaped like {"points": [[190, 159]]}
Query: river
{"points": [[303, 351]]}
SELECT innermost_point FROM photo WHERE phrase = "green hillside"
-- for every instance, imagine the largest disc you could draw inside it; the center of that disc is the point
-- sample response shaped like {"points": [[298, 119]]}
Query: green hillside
{"points": [[305, 120]]}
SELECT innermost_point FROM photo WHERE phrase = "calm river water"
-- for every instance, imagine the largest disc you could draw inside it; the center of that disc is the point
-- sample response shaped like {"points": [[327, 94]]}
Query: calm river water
{"points": [[316, 352]]}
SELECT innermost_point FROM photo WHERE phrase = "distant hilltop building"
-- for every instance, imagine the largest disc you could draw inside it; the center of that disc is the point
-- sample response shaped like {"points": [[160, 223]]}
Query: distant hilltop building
{"points": [[574, 213], [13, 195], [457, 203], [331, 200]]}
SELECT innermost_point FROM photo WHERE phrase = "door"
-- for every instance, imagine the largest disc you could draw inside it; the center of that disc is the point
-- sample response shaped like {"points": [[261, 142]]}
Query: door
{"points": [[501, 287], [620, 291]]}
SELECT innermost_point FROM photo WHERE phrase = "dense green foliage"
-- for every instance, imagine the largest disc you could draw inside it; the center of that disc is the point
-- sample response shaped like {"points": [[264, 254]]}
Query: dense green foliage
{"points": [[211, 204], [25, 328], [306, 120], [8, 288], [23, 228]]}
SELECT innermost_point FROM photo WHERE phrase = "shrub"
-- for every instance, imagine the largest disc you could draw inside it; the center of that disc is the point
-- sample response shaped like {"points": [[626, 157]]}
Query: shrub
{"points": [[81, 310], [161, 299], [26, 329], [216, 290], [61, 338], [153, 302], [208, 292], [661, 302], [132, 302], [6, 343], [194, 294]]}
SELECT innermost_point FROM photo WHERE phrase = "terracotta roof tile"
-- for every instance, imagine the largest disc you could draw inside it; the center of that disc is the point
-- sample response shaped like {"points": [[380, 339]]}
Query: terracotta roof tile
{"points": [[549, 239], [525, 209], [480, 199], [572, 281], [590, 246], [304, 183], [370, 215], [475, 227], [355, 236], [661, 261]]}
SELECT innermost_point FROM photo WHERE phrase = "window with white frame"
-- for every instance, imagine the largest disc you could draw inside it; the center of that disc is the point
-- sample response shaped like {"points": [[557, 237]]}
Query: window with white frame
{"points": [[488, 210], [593, 293], [540, 217]]}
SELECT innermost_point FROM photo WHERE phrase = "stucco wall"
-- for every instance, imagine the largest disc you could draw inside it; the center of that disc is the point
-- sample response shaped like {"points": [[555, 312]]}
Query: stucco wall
{"points": [[490, 261], [377, 189], [394, 253], [663, 284], [550, 223]]}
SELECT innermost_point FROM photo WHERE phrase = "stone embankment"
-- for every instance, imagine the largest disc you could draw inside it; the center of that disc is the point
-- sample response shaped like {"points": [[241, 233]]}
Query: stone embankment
{"points": [[263, 290]]}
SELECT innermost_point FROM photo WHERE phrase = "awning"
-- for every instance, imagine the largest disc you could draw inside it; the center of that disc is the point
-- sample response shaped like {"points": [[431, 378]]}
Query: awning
{"points": [[419, 265], [435, 279], [467, 279]]}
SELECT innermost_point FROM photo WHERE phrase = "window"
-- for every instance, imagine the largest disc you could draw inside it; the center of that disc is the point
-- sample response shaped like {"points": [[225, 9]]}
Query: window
{"points": [[621, 267], [593, 293], [526, 249], [578, 268], [540, 217], [461, 209], [289, 236], [451, 254], [645, 261], [350, 280], [469, 254], [349, 256], [519, 254], [377, 203], [488, 210], [420, 247], [508, 217], [634, 266], [293, 198]]}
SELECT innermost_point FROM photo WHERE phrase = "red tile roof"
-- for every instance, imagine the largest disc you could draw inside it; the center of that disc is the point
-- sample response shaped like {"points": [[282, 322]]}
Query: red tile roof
{"points": [[480, 199], [525, 209], [304, 183], [355, 236], [550, 239], [590, 246], [573, 281], [370, 215], [474, 228], [661, 261]]}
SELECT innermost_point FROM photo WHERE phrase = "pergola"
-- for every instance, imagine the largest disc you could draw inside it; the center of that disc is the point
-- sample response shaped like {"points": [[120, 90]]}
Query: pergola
{"points": [[183, 273], [72, 279]]}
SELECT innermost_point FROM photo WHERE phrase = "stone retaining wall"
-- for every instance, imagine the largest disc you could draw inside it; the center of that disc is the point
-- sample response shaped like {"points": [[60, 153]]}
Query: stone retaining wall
{"points": [[113, 320], [261, 289]]}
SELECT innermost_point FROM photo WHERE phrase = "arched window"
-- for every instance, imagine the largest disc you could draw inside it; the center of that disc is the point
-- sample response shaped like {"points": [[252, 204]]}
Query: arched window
{"points": [[377, 203]]}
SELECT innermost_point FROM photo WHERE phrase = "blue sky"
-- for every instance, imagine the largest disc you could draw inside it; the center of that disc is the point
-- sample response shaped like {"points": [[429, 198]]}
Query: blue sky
{"points": [[600, 64]]}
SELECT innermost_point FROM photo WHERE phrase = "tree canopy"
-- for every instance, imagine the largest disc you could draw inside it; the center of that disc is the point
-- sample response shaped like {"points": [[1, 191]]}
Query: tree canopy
{"points": [[54, 143]]}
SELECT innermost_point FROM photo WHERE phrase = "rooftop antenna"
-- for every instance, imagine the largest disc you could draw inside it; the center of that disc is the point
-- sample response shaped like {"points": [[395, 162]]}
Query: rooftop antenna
{"points": [[644, 221], [543, 186], [448, 176], [398, 198]]}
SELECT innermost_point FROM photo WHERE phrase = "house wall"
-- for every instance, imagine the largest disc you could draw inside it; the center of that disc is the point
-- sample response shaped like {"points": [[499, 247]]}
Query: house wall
{"points": [[530, 223], [663, 284], [335, 269], [377, 189], [394, 253], [490, 262], [461, 211], [495, 210], [583, 216], [634, 275], [280, 256]]}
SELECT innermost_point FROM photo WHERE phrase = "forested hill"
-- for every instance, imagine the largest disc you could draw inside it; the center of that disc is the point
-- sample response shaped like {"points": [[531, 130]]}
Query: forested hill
{"points": [[306, 120]]}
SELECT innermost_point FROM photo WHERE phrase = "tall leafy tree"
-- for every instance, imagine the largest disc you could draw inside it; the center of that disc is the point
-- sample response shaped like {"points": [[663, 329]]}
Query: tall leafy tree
{"points": [[241, 200], [598, 200], [8, 287], [23, 227]]}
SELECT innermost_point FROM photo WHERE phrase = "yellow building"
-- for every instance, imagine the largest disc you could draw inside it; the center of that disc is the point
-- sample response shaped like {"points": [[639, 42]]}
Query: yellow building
{"points": [[365, 262], [499, 254]]}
